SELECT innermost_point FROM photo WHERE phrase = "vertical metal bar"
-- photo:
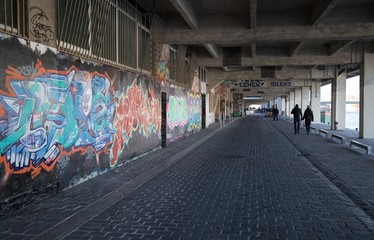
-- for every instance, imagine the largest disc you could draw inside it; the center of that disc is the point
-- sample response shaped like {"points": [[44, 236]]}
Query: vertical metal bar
{"points": [[101, 23], [78, 47], [5, 16], [101, 26], [90, 26], [18, 19], [137, 43], [74, 34], [24, 20], [117, 34], [65, 24], [11, 17]]}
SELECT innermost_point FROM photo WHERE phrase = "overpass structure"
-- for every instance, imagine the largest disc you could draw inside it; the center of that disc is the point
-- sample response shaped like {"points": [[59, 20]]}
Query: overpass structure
{"points": [[89, 85], [278, 52]]}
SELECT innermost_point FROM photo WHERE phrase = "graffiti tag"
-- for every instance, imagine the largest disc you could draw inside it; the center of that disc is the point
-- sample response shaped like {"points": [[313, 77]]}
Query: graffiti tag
{"points": [[40, 27]]}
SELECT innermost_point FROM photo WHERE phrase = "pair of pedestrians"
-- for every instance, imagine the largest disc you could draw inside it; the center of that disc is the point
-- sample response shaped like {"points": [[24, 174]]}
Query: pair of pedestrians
{"points": [[298, 116]]}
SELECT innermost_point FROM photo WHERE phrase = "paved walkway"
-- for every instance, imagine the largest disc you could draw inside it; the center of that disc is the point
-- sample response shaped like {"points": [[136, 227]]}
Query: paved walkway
{"points": [[252, 179]]}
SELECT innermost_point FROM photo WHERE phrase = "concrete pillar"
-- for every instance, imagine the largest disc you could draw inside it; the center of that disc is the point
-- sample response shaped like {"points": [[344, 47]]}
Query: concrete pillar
{"points": [[338, 96], [292, 101], [315, 98], [298, 96], [278, 102], [305, 98], [288, 110], [367, 97], [283, 104]]}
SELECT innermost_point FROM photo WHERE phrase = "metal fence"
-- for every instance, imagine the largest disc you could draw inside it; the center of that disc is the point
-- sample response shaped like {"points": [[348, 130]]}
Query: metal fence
{"points": [[110, 31], [14, 17], [114, 32]]}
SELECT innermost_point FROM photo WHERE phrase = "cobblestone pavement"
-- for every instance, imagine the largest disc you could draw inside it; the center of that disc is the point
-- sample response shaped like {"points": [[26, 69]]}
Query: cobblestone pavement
{"points": [[253, 179]]}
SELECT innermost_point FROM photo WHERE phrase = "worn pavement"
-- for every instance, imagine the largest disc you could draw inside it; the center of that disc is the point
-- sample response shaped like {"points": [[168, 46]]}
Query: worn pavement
{"points": [[252, 179]]}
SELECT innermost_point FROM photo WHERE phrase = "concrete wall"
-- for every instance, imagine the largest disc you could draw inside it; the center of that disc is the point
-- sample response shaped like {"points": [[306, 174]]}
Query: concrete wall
{"points": [[63, 120]]}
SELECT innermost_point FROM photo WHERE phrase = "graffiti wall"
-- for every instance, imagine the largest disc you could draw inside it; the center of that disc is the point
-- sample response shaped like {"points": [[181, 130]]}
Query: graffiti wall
{"points": [[183, 113], [62, 119], [163, 74]]}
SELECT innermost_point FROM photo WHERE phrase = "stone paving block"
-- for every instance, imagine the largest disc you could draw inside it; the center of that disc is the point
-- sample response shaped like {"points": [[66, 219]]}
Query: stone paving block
{"points": [[244, 183]]}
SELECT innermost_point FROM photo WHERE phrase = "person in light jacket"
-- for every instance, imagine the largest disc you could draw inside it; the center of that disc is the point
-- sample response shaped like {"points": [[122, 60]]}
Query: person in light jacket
{"points": [[308, 116], [297, 115]]}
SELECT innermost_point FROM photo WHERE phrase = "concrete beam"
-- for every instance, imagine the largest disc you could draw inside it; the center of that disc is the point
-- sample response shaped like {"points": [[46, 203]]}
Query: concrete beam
{"points": [[212, 49], [295, 48], [240, 36], [321, 9], [187, 12], [342, 58], [253, 50], [293, 75], [252, 14], [337, 46]]}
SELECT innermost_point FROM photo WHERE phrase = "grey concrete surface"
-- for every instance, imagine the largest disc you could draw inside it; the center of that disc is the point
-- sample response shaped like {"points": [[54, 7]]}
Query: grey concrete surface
{"points": [[252, 179]]}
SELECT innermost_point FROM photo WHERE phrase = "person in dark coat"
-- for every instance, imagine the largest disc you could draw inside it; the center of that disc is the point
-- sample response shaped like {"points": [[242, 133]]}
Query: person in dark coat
{"points": [[275, 113], [297, 115], [308, 116]]}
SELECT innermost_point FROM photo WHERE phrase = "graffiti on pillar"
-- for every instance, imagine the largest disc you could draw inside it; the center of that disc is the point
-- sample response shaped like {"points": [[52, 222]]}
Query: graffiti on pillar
{"points": [[177, 112], [51, 113], [163, 74], [238, 107], [40, 27], [183, 114], [137, 110], [194, 112]]}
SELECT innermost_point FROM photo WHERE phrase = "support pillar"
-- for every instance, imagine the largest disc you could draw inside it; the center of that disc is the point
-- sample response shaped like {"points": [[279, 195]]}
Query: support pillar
{"points": [[305, 98], [316, 101], [338, 97], [367, 97], [283, 105], [298, 96], [292, 101]]}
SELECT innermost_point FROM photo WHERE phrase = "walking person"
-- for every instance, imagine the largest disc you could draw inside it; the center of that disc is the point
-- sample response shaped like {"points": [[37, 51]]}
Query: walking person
{"points": [[308, 116], [297, 115], [275, 113]]}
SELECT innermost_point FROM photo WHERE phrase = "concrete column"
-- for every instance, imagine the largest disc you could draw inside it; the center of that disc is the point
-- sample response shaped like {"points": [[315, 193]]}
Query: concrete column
{"points": [[283, 105], [298, 96], [315, 99], [278, 102], [338, 96], [288, 105], [305, 98], [292, 101], [367, 97]]}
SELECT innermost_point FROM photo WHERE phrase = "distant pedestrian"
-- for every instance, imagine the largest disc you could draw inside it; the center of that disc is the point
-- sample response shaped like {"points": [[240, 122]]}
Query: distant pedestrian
{"points": [[308, 116], [275, 113], [297, 115]]}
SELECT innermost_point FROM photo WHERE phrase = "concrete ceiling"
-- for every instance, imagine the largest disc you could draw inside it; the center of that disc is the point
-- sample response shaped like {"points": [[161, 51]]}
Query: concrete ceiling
{"points": [[296, 39]]}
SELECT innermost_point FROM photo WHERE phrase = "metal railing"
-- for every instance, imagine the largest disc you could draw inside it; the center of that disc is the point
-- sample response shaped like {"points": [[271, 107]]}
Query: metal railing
{"points": [[110, 31], [14, 17]]}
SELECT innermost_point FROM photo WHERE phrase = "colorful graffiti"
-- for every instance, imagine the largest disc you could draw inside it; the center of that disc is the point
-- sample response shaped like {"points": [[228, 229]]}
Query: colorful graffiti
{"points": [[136, 110], [184, 111], [163, 74], [53, 113], [177, 112], [194, 112]]}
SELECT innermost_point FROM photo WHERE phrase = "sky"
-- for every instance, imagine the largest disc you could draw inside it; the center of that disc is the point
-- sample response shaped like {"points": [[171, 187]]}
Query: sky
{"points": [[352, 90]]}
